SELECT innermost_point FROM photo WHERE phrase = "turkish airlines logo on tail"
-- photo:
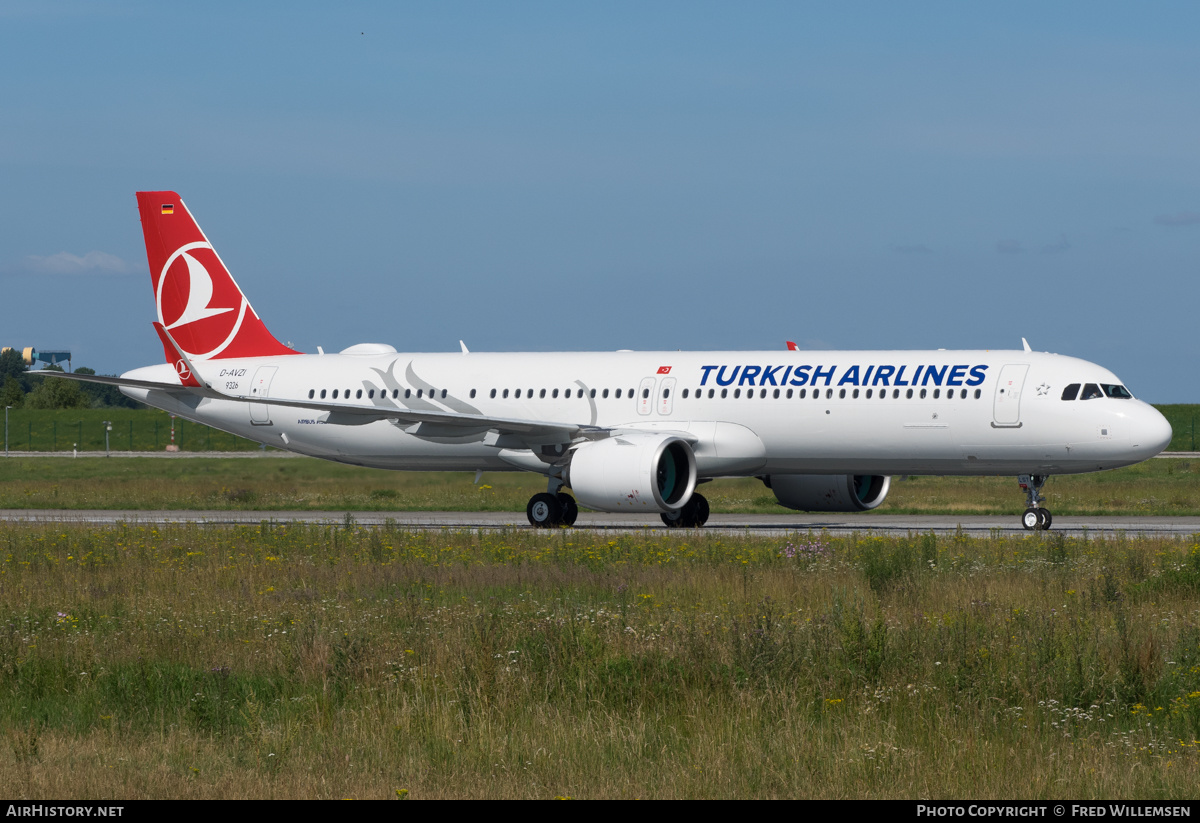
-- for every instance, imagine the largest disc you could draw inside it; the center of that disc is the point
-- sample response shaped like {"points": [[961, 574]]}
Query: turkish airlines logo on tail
{"points": [[198, 302]]}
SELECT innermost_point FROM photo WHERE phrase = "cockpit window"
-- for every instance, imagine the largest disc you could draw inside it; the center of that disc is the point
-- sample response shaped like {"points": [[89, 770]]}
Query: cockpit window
{"points": [[1071, 392], [1090, 392], [1119, 392]]}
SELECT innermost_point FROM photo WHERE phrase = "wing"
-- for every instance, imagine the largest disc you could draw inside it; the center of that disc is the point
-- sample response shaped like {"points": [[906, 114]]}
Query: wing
{"points": [[349, 414]]}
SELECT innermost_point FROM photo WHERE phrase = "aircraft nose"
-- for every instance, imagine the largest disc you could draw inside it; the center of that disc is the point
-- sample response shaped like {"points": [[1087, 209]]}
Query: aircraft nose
{"points": [[1153, 432]]}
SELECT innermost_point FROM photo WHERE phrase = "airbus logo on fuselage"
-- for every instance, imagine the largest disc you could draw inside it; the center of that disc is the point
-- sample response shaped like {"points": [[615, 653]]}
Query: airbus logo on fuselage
{"points": [[856, 375]]}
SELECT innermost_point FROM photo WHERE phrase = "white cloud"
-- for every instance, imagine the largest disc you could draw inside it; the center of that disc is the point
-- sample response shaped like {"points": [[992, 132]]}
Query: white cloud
{"points": [[94, 262]]}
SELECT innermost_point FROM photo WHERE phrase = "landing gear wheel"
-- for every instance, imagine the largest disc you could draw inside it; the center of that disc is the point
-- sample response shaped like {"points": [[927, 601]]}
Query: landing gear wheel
{"points": [[1031, 520], [544, 511], [1046, 518], [570, 509], [693, 514], [673, 520], [1035, 517]]}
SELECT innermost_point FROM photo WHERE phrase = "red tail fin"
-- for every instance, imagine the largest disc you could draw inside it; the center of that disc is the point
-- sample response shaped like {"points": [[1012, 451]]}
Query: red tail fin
{"points": [[197, 298]]}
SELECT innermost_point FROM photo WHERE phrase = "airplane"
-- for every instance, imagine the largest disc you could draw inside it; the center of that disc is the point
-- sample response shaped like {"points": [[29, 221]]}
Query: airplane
{"points": [[629, 431]]}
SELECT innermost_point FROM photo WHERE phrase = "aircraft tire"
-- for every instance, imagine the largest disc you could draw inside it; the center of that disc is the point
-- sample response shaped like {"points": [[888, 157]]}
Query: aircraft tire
{"points": [[543, 511], [693, 514], [1045, 517], [570, 509], [1031, 520]]}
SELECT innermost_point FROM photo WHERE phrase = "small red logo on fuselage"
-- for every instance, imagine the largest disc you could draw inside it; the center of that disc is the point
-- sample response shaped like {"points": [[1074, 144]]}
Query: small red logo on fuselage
{"points": [[664, 369]]}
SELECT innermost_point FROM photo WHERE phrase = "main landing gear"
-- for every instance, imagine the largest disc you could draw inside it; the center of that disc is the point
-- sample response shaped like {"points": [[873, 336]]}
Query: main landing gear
{"points": [[1035, 518], [693, 514], [548, 510]]}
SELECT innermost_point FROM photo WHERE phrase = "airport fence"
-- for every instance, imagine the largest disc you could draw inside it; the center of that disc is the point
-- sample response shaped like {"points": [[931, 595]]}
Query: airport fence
{"points": [[147, 430]]}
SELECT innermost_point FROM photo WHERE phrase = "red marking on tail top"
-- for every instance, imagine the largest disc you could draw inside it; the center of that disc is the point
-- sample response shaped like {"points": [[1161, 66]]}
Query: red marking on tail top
{"points": [[792, 346], [198, 300]]}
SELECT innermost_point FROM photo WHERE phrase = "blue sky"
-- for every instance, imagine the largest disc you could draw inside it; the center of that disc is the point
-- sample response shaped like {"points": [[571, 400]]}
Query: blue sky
{"points": [[642, 175]]}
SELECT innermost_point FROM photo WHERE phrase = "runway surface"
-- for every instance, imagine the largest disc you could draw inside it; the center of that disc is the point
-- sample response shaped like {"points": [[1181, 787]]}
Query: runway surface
{"points": [[725, 523]]}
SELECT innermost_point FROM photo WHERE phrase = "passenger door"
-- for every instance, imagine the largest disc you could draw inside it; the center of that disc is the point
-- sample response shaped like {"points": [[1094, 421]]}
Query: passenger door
{"points": [[1006, 409]]}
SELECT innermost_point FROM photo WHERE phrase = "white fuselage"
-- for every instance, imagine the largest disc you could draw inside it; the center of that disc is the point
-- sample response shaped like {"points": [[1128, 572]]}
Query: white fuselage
{"points": [[748, 413]]}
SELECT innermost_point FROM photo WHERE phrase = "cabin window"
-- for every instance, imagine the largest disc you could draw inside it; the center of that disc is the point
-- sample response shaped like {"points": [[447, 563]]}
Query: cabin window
{"points": [[711, 393], [322, 394], [685, 394], [492, 395], [604, 395], [841, 394], [472, 394], [443, 394], [554, 393], [803, 393], [592, 394], [517, 394], [311, 392], [1090, 392], [358, 395], [667, 393], [1071, 392], [977, 393], [775, 394], [923, 394], [408, 393], [1116, 392], [895, 394], [855, 394], [868, 394], [937, 393], [789, 394], [506, 394], [829, 394], [335, 394], [908, 394], [724, 393], [420, 393], [737, 393], [618, 395], [371, 394]]}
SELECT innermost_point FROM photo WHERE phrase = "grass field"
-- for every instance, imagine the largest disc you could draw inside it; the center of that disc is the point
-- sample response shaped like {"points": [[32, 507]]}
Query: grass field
{"points": [[328, 662], [1156, 487], [150, 430]]}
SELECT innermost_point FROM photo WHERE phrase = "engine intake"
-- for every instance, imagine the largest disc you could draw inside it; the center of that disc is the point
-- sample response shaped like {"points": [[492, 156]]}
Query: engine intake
{"points": [[829, 493], [639, 472]]}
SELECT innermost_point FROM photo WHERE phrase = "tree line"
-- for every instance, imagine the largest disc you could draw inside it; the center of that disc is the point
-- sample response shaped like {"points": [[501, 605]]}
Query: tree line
{"points": [[22, 389]]}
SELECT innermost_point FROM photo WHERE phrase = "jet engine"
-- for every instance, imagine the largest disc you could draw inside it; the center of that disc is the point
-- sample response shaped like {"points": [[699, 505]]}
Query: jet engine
{"points": [[633, 472], [829, 493]]}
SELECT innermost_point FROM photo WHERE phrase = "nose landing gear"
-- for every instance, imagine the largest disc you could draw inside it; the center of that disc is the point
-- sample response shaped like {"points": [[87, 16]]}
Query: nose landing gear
{"points": [[1035, 517]]}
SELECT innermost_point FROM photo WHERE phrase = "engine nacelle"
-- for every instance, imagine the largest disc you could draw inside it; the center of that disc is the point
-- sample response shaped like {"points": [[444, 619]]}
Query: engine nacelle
{"points": [[633, 472], [829, 492]]}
